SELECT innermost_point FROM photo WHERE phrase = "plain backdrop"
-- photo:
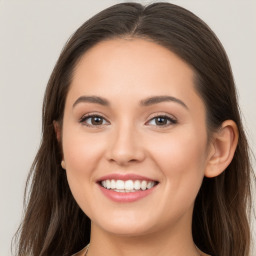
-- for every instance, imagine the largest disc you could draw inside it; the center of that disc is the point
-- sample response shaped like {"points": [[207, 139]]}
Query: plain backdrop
{"points": [[32, 34]]}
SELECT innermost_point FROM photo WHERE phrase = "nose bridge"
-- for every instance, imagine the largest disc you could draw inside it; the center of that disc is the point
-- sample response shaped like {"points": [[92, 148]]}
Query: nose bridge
{"points": [[125, 144]]}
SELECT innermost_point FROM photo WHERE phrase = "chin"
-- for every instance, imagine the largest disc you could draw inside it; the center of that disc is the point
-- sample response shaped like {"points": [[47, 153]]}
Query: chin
{"points": [[125, 226]]}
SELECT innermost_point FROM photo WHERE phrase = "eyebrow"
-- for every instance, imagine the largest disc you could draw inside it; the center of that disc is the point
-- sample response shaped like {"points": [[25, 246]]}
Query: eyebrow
{"points": [[158, 99], [146, 102], [92, 99]]}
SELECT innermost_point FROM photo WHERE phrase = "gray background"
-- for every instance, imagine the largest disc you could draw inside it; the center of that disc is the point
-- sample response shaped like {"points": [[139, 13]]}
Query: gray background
{"points": [[32, 34]]}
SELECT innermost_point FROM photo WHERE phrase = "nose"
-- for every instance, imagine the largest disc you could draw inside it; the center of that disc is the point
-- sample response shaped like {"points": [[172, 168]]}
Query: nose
{"points": [[125, 146]]}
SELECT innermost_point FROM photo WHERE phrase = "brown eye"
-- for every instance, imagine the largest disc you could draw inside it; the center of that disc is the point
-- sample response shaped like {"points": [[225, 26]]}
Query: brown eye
{"points": [[96, 120], [93, 120], [162, 121]]}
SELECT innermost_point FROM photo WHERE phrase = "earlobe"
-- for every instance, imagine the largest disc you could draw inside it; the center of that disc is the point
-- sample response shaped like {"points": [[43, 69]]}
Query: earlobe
{"points": [[63, 165], [57, 130], [223, 147]]}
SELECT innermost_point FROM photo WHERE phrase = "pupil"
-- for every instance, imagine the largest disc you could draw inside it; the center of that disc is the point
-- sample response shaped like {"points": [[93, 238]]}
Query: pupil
{"points": [[97, 120], [161, 120]]}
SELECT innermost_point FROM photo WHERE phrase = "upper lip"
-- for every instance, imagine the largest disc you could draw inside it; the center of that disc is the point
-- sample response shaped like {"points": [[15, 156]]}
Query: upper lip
{"points": [[127, 176]]}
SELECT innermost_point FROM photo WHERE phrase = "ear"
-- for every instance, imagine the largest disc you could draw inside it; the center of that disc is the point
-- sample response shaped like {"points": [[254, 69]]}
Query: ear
{"points": [[222, 149], [57, 130]]}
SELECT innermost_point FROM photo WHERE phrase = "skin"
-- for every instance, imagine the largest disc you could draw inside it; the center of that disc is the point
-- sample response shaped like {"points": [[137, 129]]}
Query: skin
{"points": [[129, 140]]}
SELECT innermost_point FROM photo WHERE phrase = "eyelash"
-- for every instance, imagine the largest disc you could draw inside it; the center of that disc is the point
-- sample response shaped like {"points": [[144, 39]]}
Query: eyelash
{"points": [[90, 116], [167, 118]]}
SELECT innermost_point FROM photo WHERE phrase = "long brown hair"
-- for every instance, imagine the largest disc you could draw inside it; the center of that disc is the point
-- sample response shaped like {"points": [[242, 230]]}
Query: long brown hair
{"points": [[53, 222]]}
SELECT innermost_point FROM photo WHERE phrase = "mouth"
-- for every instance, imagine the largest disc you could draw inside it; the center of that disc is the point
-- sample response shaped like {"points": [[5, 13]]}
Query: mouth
{"points": [[127, 186], [124, 188]]}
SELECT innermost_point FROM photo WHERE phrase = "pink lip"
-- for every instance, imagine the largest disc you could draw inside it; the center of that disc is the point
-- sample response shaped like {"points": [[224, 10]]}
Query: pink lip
{"points": [[126, 197], [118, 176]]}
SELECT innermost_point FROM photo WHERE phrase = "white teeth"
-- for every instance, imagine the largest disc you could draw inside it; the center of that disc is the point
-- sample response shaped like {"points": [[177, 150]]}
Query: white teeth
{"points": [[113, 184], [136, 185], [119, 184], [108, 184], [124, 190], [143, 185], [150, 184], [128, 185]]}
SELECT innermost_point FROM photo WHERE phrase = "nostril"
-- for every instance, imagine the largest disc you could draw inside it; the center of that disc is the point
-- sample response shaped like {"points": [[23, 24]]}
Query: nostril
{"points": [[125, 147], [123, 158]]}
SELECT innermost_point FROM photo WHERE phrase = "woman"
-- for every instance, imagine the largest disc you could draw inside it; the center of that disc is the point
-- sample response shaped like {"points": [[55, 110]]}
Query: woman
{"points": [[143, 150]]}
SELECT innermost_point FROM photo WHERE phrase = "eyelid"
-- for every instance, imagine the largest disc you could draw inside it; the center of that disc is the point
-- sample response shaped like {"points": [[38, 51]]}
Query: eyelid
{"points": [[172, 119], [90, 115]]}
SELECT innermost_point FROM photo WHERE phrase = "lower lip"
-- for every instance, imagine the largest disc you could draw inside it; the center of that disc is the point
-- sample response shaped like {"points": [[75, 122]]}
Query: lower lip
{"points": [[125, 197]]}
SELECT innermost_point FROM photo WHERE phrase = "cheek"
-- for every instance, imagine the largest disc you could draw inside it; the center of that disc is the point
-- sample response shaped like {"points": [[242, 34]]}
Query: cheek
{"points": [[182, 160], [184, 148], [81, 151], [82, 155]]}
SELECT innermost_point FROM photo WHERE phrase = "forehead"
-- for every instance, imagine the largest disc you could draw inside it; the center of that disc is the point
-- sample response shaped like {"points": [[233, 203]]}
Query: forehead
{"points": [[131, 55], [132, 68]]}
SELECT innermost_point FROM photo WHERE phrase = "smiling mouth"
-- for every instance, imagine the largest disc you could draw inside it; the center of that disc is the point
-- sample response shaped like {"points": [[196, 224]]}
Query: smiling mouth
{"points": [[127, 186]]}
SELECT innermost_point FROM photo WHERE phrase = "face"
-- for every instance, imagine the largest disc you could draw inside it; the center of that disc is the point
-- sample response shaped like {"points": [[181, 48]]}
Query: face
{"points": [[134, 137]]}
